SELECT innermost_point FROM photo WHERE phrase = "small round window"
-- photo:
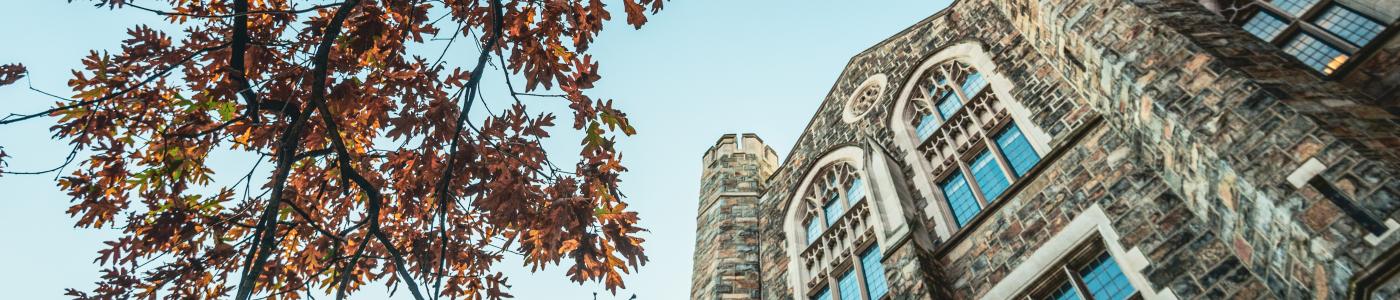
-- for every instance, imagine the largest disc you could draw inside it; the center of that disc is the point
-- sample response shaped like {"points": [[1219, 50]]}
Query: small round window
{"points": [[860, 102]]}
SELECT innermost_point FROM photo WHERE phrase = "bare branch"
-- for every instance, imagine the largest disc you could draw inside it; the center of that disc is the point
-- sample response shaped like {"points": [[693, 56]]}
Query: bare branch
{"points": [[12, 118]]}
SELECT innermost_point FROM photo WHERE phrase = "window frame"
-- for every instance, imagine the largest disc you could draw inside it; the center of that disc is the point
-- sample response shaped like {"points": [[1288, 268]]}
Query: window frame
{"points": [[986, 143], [1303, 23], [842, 197], [851, 262], [1066, 270]]}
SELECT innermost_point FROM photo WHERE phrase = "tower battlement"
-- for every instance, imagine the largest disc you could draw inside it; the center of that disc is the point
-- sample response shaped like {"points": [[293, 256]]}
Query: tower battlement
{"points": [[736, 170]]}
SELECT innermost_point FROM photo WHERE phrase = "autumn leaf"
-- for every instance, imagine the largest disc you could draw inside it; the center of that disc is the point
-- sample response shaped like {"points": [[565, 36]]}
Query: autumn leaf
{"points": [[11, 73], [369, 166]]}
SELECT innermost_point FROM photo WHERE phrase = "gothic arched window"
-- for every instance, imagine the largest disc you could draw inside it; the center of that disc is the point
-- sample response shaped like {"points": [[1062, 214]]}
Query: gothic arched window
{"points": [[836, 190], [835, 252], [971, 142]]}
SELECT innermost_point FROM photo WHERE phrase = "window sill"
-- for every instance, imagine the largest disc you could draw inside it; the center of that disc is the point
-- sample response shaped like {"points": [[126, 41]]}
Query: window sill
{"points": [[941, 249]]}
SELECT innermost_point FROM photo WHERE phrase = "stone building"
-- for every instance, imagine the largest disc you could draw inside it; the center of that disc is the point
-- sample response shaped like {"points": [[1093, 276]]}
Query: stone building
{"points": [[735, 174], [1081, 149]]}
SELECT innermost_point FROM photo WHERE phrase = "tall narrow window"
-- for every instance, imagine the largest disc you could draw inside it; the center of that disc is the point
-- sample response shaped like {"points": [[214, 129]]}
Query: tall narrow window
{"points": [[927, 124], [875, 284], [989, 176], [960, 198], [832, 209], [948, 105], [850, 288], [825, 294], [974, 84], [814, 230], [1017, 150], [856, 192], [1322, 34]]}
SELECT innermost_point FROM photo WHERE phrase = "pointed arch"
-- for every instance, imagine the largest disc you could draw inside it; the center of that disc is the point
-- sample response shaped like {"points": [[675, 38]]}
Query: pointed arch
{"points": [[964, 133]]}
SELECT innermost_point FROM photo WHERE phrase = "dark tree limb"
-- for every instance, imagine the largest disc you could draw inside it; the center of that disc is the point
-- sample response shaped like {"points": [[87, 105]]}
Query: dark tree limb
{"points": [[236, 59], [444, 198]]}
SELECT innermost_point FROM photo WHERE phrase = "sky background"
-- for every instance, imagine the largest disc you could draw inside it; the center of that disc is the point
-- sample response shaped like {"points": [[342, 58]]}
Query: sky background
{"points": [[698, 70]]}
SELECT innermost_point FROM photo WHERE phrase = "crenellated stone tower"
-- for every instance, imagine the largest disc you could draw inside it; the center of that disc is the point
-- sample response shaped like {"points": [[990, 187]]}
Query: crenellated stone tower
{"points": [[736, 170]]}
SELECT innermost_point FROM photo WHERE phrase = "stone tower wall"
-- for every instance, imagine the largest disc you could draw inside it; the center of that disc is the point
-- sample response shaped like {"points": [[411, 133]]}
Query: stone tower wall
{"points": [[726, 244]]}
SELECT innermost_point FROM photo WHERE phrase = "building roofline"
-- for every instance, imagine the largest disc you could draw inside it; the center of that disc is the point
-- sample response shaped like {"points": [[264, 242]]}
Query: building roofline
{"points": [[807, 129]]}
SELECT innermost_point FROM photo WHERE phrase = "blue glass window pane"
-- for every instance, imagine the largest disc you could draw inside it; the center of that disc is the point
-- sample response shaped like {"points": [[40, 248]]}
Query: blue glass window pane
{"points": [[1104, 280], [927, 125], [850, 289], [1315, 53], [833, 210], [974, 84], [948, 105], [1017, 150], [1349, 25], [856, 192], [1065, 292], [1294, 7], [989, 176], [814, 230], [960, 198], [874, 273], [825, 294], [1265, 25]]}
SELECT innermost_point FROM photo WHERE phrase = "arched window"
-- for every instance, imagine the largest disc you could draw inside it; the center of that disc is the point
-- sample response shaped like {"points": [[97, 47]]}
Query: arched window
{"points": [[836, 190], [835, 252], [970, 141]]}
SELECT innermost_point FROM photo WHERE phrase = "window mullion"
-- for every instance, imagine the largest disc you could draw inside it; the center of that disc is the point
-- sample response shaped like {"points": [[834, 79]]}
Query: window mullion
{"points": [[972, 184], [821, 212], [1329, 38], [1312, 12], [857, 264], [843, 198], [1078, 283]]}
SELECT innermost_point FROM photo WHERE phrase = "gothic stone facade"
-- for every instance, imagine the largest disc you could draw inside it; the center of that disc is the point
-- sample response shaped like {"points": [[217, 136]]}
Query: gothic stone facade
{"points": [[1159, 138]]}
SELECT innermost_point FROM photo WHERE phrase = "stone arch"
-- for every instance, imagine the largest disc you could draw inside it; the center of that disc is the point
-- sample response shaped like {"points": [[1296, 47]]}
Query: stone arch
{"points": [[955, 62]]}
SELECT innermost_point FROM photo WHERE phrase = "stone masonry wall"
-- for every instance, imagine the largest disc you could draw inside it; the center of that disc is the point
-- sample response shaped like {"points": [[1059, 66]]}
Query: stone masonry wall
{"points": [[726, 241], [1201, 124]]}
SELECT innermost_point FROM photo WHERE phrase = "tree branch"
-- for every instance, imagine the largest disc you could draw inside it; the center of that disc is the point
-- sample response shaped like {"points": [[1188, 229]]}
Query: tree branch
{"points": [[236, 59], [12, 118], [444, 198]]}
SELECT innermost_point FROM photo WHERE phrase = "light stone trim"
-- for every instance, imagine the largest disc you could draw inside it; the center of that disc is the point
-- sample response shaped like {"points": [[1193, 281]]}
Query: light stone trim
{"points": [[971, 53], [881, 199], [1307, 171], [1092, 222], [1391, 227], [868, 93]]}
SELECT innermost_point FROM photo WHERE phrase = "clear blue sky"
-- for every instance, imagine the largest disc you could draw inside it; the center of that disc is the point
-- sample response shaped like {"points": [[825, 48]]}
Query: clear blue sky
{"points": [[700, 69]]}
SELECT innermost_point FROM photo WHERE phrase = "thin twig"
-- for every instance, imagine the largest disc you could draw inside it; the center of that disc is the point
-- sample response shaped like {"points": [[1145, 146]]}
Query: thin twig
{"points": [[12, 118]]}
